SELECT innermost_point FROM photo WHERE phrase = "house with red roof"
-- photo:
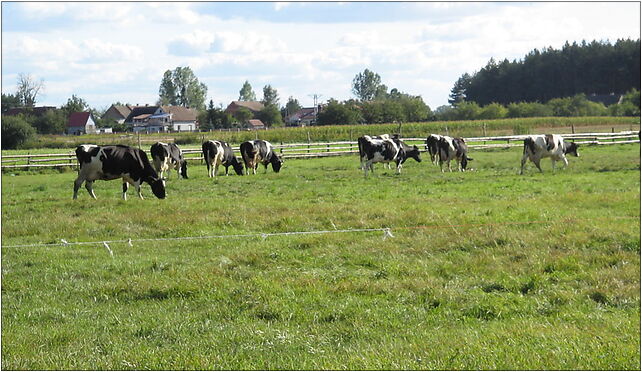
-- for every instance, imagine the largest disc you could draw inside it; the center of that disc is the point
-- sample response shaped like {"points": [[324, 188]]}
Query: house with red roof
{"points": [[81, 123]]}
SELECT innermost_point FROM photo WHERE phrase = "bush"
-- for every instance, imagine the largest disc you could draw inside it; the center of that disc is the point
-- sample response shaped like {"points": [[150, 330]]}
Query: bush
{"points": [[493, 111], [16, 132]]}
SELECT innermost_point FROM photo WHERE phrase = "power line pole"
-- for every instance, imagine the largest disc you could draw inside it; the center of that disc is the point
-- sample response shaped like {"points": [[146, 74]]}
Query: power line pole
{"points": [[316, 96]]}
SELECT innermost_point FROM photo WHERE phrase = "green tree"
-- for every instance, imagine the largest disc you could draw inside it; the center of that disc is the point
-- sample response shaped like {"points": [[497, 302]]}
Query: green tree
{"points": [[246, 93], [468, 110], [243, 115], [270, 96], [182, 88], [366, 85], [9, 101], [74, 104], [51, 122], [458, 92], [270, 116], [493, 111], [28, 90], [293, 106], [337, 113], [16, 132]]}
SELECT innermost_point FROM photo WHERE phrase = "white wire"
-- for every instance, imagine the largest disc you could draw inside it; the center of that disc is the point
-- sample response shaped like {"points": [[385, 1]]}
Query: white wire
{"points": [[386, 232]]}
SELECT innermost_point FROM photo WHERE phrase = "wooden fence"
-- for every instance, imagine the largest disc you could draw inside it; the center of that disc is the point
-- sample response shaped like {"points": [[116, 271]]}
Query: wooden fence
{"points": [[326, 149]]}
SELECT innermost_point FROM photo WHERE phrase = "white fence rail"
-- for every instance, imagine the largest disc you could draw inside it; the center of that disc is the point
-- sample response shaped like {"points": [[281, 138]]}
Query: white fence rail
{"points": [[325, 149]]}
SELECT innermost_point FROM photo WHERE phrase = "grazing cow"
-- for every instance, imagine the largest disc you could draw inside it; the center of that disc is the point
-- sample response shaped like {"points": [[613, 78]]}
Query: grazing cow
{"points": [[259, 151], [166, 156], [385, 150], [112, 162], [547, 146], [218, 153], [432, 146], [453, 149]]}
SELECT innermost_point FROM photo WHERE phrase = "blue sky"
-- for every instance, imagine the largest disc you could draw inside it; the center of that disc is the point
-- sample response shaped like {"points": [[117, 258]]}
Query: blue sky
{"points": [[106, 52]]}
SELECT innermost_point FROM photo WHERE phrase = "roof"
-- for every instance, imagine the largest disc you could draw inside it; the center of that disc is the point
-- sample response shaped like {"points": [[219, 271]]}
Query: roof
{"points": [[306, 112], [122, 110], [256, 123], [31, 110], [180, 113], [140, 110], [78, 119], [250, 105], [141, 117]]}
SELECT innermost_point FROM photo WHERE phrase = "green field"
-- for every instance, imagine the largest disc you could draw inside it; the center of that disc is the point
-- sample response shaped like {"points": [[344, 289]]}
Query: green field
{"points": [[487, 269]]}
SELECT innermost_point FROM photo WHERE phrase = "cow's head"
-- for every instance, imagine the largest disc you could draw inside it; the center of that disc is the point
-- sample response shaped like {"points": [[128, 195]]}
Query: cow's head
{"points": [[158, 187], [184, 169], [238, 168], [571, 148], [276, 163], [414, 153]]}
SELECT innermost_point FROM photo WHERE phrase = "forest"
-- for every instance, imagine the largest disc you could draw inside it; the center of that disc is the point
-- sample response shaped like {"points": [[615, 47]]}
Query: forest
{"points": [[597, 67]]}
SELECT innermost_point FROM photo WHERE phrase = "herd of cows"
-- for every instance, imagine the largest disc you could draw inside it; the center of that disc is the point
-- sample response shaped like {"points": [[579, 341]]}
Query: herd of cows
{"points": [[133, 165]]}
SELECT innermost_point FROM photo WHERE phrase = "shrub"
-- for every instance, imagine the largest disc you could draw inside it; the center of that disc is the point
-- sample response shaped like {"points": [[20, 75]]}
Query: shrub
{"points": [[16, 132]]}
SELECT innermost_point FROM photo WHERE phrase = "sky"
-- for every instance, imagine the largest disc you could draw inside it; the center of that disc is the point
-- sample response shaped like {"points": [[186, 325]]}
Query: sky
{"points": [[106, 52]]}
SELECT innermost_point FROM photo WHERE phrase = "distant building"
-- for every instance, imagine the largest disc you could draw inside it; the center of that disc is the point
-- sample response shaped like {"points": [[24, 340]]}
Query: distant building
{"points": [[255, 124], [254, 106], [118, 113], [162, 119], [304, 117], [81, 123]]}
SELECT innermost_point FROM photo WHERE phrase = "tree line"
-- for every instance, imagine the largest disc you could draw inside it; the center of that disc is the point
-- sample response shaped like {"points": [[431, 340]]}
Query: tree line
{"points": [[589, 68]]}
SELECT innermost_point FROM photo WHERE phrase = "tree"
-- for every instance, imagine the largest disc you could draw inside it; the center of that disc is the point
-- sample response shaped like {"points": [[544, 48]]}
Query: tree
{"points": [[270, 116], [338, 113], [270, 96], [366, 85], [181, 88], [51, 122], [75, 104], [16, 132], [28, 90], [246, 93], [291, 107], [243, 115], [9, 101], [458, 92]]}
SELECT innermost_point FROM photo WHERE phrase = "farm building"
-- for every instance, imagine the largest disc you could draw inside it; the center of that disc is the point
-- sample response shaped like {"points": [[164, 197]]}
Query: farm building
{"points": [[118, 113], [81, 123], [304, 117], [254, 106], [255, 124], [162, 119]]}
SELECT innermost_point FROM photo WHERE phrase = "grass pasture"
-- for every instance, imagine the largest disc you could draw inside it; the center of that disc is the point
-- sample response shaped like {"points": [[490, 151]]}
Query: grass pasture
{"points": [[487, 269]]}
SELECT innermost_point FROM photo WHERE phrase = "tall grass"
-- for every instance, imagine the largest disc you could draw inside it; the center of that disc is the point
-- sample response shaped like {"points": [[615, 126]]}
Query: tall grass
{"points": [[351, 132], [460, 286]]}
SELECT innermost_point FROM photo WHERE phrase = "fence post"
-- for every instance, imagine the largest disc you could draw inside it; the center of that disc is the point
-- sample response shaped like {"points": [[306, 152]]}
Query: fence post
{"points": [[139, 147], [572, 128]]}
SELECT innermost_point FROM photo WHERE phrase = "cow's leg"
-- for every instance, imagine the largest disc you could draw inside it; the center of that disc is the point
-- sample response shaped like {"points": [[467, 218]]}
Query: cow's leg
{"points": [[77, 183], [524, 158], [367, 166], [553, 160], [89, 185], [449, 168], [565, 161], [125, 187], [536, 162], [399, 165], [138, 189], [226, 167], [216, 169], [441, 165]]}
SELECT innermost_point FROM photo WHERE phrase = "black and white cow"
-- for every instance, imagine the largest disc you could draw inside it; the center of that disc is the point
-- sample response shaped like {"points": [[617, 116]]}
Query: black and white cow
{"points": [[112, 162], [259, 151], [385, 150], [432, 147], [547, 146], [166, 156], [218, 153], [453, 149]]}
